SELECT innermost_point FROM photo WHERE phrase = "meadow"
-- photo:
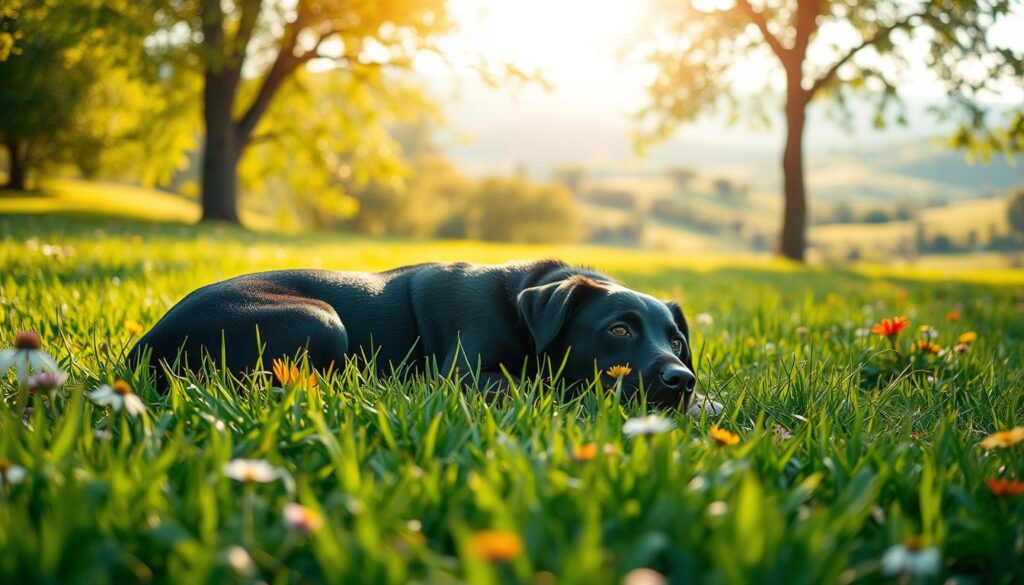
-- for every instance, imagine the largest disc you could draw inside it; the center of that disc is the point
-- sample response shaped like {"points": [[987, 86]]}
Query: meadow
{"points": [[842, 455]]}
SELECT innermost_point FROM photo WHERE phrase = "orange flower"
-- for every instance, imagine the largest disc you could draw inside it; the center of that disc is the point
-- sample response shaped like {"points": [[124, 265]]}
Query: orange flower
{"points": [[132, 327], [953, 316], [286, 375], [587, 452], [925, 346], [890, 328], [969, 337], [1003, 439], [496, 545], [724, 437], [619, 371], [1005, 487]]}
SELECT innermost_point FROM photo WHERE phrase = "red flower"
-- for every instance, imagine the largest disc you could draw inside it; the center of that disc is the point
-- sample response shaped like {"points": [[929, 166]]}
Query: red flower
{"points": [[1005, 487], [890, 328]]}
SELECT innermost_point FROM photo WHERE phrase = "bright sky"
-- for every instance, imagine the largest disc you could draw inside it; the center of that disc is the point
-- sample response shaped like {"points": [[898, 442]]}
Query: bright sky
{"points": [[582, 48], [583, 44]]}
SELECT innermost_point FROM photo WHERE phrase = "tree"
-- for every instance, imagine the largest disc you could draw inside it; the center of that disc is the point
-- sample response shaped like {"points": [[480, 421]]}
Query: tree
{"points": [[42, 81], [696, 61], [1015, 211], [682, 176], [74, 88], [248, 49]]}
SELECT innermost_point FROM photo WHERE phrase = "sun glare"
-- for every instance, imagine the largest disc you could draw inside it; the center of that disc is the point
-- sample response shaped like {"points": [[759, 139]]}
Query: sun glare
{"points": [[562, 38]]}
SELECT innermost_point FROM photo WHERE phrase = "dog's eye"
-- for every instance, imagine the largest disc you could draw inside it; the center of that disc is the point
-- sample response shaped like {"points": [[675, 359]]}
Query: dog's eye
{"points": [[619, 331], [677, 345]]}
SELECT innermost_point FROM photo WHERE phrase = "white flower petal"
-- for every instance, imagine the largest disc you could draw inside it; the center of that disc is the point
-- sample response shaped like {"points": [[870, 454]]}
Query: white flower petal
{"points": [[924, 563], [34, 359], [894, 560], [7, 359], [251, 470], [16, 474], [648, 425], [21, 367], [133, 405], [50, 363]]}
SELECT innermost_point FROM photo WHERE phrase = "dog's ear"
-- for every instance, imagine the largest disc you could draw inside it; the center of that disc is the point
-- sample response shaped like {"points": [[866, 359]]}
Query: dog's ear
{"points": [[546, 309], [684, 328]]}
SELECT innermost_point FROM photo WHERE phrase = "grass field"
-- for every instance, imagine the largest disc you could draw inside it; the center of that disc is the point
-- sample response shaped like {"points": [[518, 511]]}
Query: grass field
{"points": [[851, 450]]}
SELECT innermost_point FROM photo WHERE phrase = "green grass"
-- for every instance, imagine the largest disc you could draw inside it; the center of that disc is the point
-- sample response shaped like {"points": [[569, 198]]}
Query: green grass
{"points": [[406, 471]]}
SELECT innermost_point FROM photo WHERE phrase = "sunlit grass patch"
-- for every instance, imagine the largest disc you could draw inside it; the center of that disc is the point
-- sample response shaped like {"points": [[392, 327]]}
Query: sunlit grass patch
{"points": [[819, 470]]}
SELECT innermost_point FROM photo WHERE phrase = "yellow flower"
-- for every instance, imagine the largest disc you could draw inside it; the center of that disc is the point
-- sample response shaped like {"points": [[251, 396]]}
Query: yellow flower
{"points": [[724, 437], [619, 371], [1003, 439], [132, 327], [925, 346], [496, 545], [969, 337]]}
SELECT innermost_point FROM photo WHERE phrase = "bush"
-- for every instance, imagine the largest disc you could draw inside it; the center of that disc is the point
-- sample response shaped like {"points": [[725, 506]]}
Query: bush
{"points": [[515, 210]]}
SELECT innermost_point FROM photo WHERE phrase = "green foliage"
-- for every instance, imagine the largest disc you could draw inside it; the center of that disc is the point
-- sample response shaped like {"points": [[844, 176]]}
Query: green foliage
{"points": [[404, 471], [514, 210], [77, 88], [437, 201]]}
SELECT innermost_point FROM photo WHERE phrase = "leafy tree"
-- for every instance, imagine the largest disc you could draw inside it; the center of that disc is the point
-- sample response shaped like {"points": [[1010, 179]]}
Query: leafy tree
{"points": [[682, 176], [1015, 211], [246, 51], [74, 88], [806, 40]]}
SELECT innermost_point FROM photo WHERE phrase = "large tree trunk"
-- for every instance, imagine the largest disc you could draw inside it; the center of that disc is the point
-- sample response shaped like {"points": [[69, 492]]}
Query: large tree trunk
{"points": [[16, 170], [794, 218], [221, 151]]}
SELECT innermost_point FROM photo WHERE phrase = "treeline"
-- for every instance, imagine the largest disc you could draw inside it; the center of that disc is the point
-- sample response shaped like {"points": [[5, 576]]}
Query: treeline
{"points": [[436, 201]]}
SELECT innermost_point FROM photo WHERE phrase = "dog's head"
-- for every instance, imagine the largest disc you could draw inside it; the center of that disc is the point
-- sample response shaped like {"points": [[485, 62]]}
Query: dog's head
{"points": [[601, 324]]}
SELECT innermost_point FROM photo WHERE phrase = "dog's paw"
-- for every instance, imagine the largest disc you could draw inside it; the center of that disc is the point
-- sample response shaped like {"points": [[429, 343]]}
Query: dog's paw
{"points": [[701, 404]]}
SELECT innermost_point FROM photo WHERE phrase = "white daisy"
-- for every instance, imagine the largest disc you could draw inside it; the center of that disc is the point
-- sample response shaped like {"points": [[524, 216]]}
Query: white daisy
{"points": [[705, 319], [26, 355], [118, 396], [911, 559], [251, 471], [10, 474], [651, 424]]}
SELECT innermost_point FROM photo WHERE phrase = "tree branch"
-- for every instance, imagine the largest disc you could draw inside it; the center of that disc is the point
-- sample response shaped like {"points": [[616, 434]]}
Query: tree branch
{"points": [[874, 39], [806, 23], [246, 25], [762, 24]]}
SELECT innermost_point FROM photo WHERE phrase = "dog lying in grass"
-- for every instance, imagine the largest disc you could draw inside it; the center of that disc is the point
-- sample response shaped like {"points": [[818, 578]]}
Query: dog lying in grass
{"points": [[476, 318]]}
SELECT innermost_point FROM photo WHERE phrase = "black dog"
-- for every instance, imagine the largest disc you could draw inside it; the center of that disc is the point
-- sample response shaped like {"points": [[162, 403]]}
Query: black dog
{"points": [[474, 317]]}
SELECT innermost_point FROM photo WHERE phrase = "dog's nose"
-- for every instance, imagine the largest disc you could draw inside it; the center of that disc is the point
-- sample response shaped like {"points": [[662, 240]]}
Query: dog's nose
{"points": [[678, 377]]}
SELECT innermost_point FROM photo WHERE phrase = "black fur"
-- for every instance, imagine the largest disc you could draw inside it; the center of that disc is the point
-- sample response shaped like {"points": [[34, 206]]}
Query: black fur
{"points": [[461, 315]]}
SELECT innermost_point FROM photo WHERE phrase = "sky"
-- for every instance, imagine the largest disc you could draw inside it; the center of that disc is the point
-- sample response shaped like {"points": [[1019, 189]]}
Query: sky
{"points": [[582, 48]]}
